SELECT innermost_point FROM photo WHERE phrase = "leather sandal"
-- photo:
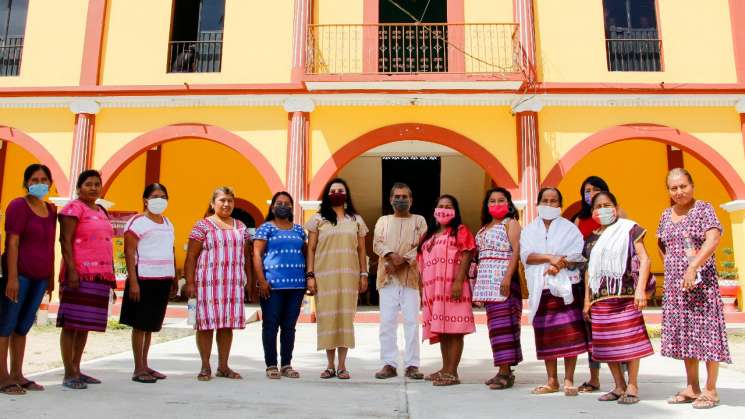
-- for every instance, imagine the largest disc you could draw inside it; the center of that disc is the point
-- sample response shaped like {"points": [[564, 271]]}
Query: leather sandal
{"points": [[328, 373], [273, 373], [705, 401], [289, 372], [545, 389], [445, 379]]}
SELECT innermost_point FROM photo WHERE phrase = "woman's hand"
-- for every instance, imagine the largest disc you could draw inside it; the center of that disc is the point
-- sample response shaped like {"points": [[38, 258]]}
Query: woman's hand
{"points": [[11, 289], [558, 262], [640, 298], [264, 289], [363, 284], [50, 287], [134, 291], [174, 289], [689, 279], [311, 284], [586, 311], [191, 291], [504, 288], [456, 290], [551, 270], [73, 279]]}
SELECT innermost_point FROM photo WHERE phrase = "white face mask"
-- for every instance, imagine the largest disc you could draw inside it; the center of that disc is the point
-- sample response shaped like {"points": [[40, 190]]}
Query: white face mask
{"points": [[157, 205], [605, 216], [549, 213]]}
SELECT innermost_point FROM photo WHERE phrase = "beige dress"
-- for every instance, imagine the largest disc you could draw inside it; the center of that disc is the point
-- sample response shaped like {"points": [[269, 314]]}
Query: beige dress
{"points": [[337, 270]]}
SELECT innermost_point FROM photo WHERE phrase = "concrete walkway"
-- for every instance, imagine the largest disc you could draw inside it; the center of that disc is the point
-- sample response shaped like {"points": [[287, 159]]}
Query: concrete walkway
{"points": [[181, 396]]}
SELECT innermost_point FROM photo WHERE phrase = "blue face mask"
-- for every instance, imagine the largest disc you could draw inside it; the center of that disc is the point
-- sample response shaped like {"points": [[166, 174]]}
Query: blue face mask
{"points": [[38, 190], [588, 198]]}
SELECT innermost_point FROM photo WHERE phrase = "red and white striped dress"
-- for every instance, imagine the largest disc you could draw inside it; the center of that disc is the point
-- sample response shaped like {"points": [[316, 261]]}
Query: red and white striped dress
{"points": [[220, 277]]}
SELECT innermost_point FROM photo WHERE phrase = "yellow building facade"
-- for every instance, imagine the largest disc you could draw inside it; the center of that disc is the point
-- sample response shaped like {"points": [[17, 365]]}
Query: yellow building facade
{"points": [[453, 96]]}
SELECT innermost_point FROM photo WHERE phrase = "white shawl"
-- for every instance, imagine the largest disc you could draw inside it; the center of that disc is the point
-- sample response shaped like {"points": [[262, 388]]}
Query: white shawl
{"points": [[609, 257], [562, 238]]}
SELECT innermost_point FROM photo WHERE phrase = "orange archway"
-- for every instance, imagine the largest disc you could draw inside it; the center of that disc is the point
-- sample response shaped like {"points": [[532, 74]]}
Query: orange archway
{"points": [[16, 136], [412, 131], [714, 161], [131, 150]]}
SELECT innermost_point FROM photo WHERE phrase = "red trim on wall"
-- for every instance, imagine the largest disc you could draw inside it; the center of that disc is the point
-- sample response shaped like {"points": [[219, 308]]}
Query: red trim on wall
{"points": [[674, 157], [370, 16], [251, 209], [742, 129], [737, 16], [635, 88], [158, 136], [22, 139], [152, 90], [93, 44], [152, 165], [410, 131], [3, 155], [720, 167], [456, 36]]}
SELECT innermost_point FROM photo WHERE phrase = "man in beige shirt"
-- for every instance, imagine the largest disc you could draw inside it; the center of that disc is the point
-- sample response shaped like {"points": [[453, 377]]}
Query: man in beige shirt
{"points": [[396, 239]]}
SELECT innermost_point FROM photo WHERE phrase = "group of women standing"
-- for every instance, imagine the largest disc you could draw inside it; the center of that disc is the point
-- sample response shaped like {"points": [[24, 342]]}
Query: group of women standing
{"points": [[587, 282]]}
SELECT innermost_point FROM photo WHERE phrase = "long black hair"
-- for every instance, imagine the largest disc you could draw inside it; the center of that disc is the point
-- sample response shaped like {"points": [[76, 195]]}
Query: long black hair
{"points": [[486, 217], [598, 182], [270, 215], [433, 226], [327, 210]]}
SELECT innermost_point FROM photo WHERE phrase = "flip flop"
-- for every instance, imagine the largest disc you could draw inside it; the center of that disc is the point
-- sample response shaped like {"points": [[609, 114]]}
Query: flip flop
{"points": [[628, 399], [74, 384], [680, 398], [571, 391], [13, 390], [705, 402], [586, 387], [544, 389], [609, 397], [142, 378], [32, 386], [87, 379]]}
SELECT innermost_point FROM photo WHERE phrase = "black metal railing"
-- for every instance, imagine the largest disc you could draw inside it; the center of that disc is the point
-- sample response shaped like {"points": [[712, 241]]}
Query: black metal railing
{"points": [[11, 50], [202, 56], [633, 49], [413, 49]]}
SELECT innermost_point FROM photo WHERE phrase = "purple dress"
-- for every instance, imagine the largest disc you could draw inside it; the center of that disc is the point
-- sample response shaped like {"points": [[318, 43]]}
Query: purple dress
{"points": [[693, 324]]}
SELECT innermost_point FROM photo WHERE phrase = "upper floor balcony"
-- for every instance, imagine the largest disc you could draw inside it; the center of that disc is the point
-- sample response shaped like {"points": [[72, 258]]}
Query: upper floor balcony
{"points": [[464, 53]]}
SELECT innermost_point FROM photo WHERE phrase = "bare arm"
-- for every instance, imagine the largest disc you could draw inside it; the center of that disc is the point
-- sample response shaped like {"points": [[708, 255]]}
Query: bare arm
{"points": [[456, 291], [514, 237], [11, 289], [130, 255], [640, 297], [67, 231], [362, 255], [190, 266], [310, 260], [259, 247]]}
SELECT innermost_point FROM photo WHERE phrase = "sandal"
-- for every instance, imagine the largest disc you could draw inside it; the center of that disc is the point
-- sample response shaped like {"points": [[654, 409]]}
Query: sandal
{"points": [[705, 402], [681, 398], [628, 399], [230, 374], [502, 382], [204, 375], [143, 378], [433, 376], [328, 373], [445, 379], [609, 397], [32, 386], [273, 373], [74, 384], [343, 375], [88, 379], [571, 391], [586, 387], [156, 374], [545, 389], [13, 390], [289, 372]]}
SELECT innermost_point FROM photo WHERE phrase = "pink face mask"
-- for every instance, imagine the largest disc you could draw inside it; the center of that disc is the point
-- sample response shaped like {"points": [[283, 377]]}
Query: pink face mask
{"points": [[444, 215], [499, 211]]}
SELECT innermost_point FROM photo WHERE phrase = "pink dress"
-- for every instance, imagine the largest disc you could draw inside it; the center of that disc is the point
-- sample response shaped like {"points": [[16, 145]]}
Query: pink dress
{"points": [[220, 276], [92, 248], [439, 261]]}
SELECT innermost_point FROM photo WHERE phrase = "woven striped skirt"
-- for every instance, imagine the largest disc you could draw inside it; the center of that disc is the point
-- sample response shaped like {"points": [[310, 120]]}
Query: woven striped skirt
{"points": [[85, 308], [560, 329], [503, 320], [618, 331]]}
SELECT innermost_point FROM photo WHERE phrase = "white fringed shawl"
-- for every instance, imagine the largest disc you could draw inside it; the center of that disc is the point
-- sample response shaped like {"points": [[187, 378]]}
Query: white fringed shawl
{"points": [[609, 257]]}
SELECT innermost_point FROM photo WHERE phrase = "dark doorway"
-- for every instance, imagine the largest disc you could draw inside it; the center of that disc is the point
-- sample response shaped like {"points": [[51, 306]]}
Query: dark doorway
{"points": [[407, 48], [421, 173]]}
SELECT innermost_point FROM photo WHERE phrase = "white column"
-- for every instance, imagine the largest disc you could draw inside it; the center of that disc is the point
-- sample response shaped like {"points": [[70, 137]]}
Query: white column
{"points": [[526, 113], [82, 145]]}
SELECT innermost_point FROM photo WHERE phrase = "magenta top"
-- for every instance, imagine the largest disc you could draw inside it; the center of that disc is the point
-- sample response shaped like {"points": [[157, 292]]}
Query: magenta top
{"points": [[92, 247], [36, 239]]}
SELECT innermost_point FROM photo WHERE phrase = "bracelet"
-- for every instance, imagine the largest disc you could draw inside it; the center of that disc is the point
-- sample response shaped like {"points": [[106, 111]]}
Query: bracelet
{"points": [[310, 274], [364, 274]]}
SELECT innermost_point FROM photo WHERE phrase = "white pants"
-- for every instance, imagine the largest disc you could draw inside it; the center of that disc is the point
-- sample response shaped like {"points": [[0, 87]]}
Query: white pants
{"points": [[395, 298]]}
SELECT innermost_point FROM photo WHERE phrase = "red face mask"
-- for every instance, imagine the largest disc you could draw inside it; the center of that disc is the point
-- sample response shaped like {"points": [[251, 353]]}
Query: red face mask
{"points": [[338, 199], [444, 215], [499, 211]]}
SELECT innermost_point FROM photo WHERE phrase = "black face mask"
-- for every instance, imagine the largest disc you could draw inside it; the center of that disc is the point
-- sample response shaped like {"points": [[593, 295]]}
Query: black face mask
{"points": [[282, 212], [401, 204]]}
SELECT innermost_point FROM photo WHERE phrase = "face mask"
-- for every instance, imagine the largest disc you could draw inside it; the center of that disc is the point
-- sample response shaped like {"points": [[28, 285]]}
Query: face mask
{"points": [[549, 213], [38, 190], [604, 216], [157, 205], [282, 212], [444, 215], [499, 211], [338, 199], [401, 205], [588, 198]]}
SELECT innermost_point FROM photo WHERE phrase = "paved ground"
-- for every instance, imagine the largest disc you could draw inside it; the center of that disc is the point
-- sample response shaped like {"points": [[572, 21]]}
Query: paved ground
{"points": [[256, 397]]}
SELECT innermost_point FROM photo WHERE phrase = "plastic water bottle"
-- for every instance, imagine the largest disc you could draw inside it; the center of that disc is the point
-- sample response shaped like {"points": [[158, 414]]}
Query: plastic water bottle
{"points": [[690, 251], [191, 309]]}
